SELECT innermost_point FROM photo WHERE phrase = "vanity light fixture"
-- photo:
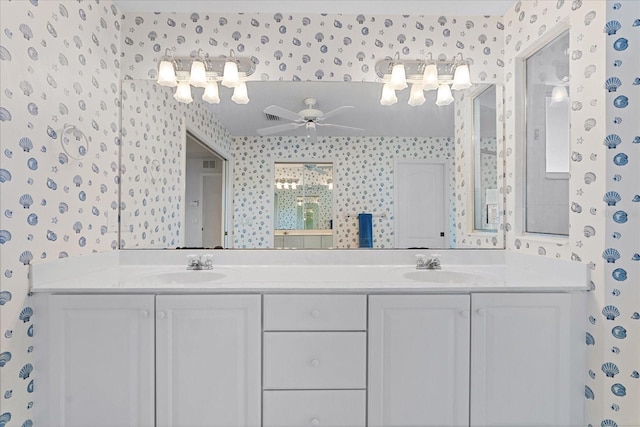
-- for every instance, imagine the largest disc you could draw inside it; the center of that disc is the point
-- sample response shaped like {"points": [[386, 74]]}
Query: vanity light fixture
{"points": [[287, 183], [203, 71], [329, 184], [423, 75]]}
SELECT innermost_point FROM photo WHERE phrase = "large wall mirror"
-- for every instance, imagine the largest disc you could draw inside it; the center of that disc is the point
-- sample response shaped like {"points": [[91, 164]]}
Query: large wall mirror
{"points": [[346, 173]]}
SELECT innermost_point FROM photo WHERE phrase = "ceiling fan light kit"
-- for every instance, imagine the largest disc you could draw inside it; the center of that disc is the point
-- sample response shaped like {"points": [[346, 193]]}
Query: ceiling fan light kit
{"points": [[204, 71], [423, 75], [310, 117]]}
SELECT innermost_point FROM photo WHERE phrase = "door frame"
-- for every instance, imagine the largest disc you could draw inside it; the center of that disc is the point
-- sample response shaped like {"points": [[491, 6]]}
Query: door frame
{"points": [[223, 196], [446, 192]]}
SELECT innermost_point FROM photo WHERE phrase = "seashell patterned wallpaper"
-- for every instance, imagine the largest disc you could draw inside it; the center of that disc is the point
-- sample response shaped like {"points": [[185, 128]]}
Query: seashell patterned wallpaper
{"points": [[153, 163], [313, 47], [61, 64], [363, 173], [60, 136]]}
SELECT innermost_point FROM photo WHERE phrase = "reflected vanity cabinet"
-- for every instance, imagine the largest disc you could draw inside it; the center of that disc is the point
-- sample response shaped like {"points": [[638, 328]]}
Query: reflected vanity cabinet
{"points": [[282, 360]]}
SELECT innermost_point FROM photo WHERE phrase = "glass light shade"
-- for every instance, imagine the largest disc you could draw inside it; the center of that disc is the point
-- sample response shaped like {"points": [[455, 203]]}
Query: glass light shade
{"points": [[167, 74], [286, 185], [278, 185], [183, 93], [329, 184], [444, 96], [388, 95], [461, 77], [230, 76], [430, 77], [398, 77], [240, 95], [294, 186], [198, 75], [559, 94], [416, 97], [211, 94]]}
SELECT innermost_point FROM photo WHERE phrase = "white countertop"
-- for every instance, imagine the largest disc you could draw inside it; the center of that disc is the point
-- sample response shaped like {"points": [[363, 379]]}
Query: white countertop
{"points": [[254, 271]]}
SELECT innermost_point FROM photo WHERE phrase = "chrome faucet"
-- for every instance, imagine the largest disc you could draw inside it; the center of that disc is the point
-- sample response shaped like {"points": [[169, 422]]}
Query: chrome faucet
{"points": [[432, 263], [200, 262]]}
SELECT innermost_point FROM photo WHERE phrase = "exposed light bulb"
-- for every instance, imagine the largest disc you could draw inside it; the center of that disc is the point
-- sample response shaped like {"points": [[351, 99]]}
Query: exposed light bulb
{"points": [[461, 77], [416, 97], [398, 77], [230, 75], [198, 75], [240, 95], [167, 74], [183, 93], [559, 94], [388, 95], [211, 94], [430, 77], [444, 96]]}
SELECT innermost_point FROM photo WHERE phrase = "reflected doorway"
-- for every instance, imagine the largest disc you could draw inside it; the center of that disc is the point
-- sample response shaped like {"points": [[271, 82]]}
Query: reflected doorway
{"points": [[204, 196]]}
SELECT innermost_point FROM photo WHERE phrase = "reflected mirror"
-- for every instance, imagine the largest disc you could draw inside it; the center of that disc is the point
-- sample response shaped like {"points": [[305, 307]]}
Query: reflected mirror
{"points": [[303, 205], [486, 206]]}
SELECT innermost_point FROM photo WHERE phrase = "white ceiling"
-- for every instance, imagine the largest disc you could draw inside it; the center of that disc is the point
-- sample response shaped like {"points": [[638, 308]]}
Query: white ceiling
{"points": [[397, 120], [371, 7]]}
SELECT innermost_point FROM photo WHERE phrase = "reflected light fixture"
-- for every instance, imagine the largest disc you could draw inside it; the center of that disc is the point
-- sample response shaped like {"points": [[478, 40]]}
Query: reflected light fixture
{"points": [[204, 71], [559, 93], [423, 75], [329, 184]]}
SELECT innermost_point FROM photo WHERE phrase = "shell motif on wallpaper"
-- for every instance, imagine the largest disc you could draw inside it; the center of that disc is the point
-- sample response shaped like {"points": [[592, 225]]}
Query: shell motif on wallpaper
{"points": [[588, 393], [25, 314], [619, 332], [619, 390], [5, 357], [5, 297], [611, 255], [612, 27], [619, 274], [611, 312], [26, 370], [612, 197], [610, 369], [612, 141], [612, 84]]}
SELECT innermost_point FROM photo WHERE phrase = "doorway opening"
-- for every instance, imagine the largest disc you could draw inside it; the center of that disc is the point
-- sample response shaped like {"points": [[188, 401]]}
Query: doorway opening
{"points": [[205, 196]]}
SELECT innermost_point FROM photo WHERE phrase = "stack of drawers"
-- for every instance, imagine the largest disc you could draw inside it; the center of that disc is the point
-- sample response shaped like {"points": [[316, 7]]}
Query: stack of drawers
{"points": [[314, 367]]}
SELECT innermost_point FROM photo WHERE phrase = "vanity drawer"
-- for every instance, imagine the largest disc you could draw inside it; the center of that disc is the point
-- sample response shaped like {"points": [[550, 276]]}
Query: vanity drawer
{"points": [[315, 312], [314, 360], [333, 408]]}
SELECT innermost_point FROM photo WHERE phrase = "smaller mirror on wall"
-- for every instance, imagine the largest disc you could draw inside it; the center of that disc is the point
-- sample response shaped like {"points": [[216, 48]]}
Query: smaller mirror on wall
{"points": [[303, 205], [486, 204]]}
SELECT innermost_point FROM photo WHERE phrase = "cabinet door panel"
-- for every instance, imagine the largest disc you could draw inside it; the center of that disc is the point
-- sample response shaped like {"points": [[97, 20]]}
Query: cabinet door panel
{"points": [[101, 360], [208, 360], [520, 360], [419, 360]]}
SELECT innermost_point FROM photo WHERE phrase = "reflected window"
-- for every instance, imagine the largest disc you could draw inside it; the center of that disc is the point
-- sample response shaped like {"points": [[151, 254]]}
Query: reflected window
{"points": [[547, 139], [485, 149]]}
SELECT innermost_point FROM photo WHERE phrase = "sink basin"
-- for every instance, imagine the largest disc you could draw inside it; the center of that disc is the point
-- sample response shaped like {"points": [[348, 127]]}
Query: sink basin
{"points": [[443, 276], [188, 276]]}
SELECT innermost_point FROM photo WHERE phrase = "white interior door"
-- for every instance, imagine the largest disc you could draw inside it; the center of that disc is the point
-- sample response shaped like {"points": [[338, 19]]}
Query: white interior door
{"points": [[421, 204]]}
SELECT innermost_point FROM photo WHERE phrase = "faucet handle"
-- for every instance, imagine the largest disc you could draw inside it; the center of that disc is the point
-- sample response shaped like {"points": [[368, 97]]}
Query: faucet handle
{"points": [[420, 261], [207, 260], [436, 256], [192, 259]]}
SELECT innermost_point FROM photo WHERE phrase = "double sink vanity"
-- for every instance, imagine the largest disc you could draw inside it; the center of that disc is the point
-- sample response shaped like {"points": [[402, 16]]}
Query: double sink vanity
{"points": [[310, 338]]}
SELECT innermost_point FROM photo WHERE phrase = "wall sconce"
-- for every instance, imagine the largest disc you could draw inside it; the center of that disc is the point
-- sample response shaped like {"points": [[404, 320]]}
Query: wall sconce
{"points": [[204, 72], [425, 75], [329, 184]]}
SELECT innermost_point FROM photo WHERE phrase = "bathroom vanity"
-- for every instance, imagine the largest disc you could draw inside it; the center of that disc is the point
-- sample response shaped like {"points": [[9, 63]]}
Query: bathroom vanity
{"points": [[286, 338]]}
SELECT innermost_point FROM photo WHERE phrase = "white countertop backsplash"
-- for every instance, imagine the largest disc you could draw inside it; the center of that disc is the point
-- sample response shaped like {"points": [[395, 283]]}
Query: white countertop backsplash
{"points": [[164, 271]]}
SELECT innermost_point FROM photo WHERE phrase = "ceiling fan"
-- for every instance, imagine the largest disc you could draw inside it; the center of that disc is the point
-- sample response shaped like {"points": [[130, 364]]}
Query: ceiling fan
{"points": [[310, 118]]}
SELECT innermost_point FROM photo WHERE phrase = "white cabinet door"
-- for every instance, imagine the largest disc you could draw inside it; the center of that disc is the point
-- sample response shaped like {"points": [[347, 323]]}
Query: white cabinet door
{"points": [[100, 365], [520, 363], [418, 360], [208, 360]]}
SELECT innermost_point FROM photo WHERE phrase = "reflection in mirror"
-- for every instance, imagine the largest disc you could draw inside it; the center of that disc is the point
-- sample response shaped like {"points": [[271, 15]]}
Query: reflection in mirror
{"points": [[485, 149], [303, 205], [547, 138]]}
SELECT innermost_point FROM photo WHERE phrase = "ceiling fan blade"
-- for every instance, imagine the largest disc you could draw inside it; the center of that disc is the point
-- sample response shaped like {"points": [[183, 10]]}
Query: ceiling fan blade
{"points": [[334, 112], [330, 125], [279, 128], [282, 112]]}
